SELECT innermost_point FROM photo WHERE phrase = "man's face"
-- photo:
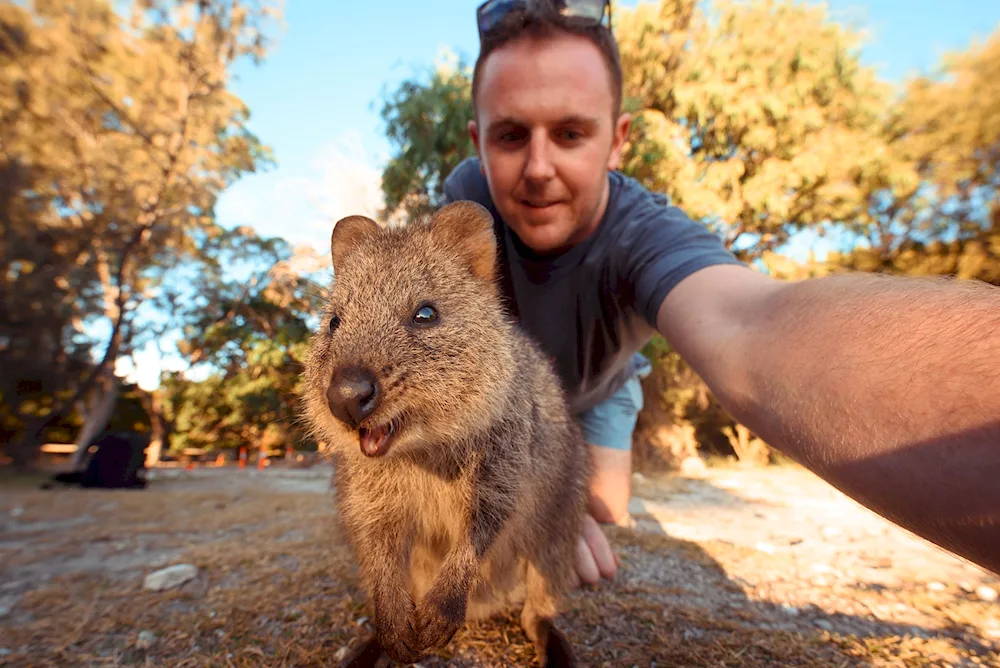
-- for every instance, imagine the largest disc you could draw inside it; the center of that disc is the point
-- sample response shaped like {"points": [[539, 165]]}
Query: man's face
{"points": [[546, 137]]}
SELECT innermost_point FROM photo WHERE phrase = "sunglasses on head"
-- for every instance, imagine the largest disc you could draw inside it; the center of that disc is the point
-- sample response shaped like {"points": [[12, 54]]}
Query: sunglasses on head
{"points": [[491, 13]]}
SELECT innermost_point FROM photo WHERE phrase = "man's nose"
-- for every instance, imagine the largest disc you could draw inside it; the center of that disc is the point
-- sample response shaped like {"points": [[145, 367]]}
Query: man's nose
{"points": [[539, 166]]}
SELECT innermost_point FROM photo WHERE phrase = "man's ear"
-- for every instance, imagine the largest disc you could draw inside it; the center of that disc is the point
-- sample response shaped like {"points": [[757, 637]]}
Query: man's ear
{"points": [[466, 228], [618, 138], [346, 234]]}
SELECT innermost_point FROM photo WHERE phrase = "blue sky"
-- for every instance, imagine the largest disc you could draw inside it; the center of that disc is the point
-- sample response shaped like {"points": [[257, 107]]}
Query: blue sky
{"points": [[316, 98]]}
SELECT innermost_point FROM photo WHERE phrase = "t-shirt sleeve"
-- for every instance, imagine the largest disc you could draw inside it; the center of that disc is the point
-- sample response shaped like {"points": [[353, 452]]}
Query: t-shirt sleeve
{"points": [[662, 246], [466, 182]]}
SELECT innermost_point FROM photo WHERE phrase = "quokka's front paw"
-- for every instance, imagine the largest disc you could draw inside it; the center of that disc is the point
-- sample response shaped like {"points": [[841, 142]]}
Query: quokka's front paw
{"points": [[396, 630], [440, 614]]}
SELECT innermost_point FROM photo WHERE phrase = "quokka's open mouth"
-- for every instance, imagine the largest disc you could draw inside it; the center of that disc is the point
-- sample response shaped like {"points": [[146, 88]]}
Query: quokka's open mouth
{"points": [[375, 442]]}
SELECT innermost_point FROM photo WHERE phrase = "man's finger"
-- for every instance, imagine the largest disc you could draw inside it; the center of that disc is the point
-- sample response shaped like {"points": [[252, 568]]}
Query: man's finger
{"points": [[600, 548], [586, 568]]}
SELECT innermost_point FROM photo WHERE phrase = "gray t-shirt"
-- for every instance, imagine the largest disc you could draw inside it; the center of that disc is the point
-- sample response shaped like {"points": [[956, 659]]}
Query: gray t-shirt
{"points": [[594, 305]]}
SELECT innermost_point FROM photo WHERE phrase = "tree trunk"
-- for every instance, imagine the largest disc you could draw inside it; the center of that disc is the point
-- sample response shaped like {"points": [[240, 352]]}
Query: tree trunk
{"points": [[153, 403], [97, 418]]}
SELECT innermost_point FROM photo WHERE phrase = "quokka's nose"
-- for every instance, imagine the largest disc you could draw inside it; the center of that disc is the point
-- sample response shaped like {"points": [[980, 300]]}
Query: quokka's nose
{"points": [[353, 395]]}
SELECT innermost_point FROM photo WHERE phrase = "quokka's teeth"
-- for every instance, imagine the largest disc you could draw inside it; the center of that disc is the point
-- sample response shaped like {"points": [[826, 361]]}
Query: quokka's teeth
{"points": [[373, 442]]}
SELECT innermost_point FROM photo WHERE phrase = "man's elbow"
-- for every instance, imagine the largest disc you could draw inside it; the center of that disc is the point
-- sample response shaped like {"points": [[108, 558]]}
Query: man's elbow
{"points": [[717, 321]]}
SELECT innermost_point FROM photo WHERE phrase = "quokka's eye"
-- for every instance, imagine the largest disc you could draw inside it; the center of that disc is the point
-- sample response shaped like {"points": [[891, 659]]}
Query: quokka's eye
{"points": [[334, 324], [425, 315]]}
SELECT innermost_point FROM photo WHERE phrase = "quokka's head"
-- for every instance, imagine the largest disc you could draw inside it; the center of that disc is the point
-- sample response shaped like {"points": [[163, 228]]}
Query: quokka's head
{"points": [[413, 350]]}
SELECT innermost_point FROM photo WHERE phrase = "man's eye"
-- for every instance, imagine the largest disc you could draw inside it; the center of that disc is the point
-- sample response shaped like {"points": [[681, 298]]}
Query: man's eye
{"points": [[334, 324], [425, 315]]}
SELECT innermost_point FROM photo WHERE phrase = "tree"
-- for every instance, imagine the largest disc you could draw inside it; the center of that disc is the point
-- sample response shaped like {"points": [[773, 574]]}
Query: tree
{"points": [[246, 329], [756, 118], [42, 349], [426, 124], [132, 134], [947, 223]]}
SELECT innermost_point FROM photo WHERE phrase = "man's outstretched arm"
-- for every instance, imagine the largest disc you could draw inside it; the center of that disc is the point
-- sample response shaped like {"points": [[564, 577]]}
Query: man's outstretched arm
{"points": [[888, 388]]}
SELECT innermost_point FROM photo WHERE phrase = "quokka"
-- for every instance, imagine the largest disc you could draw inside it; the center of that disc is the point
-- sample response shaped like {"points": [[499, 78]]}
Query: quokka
{"points": [[461, 477]]}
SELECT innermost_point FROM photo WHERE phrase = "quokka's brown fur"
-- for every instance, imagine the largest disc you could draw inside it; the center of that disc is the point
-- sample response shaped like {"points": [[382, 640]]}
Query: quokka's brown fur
{"points": [[477, 501]]}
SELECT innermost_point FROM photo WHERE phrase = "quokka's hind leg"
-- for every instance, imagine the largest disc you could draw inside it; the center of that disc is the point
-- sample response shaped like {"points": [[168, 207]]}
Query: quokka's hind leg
{"points": [[537, 619], [365, 655]]}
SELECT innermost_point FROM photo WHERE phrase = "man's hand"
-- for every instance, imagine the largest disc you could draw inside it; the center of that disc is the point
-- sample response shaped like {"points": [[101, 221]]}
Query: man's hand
{"points": [[594, 557]]}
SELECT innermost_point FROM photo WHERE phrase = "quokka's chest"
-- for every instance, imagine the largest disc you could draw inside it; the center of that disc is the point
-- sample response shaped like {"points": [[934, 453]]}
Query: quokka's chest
{"points": [[419, 503]]}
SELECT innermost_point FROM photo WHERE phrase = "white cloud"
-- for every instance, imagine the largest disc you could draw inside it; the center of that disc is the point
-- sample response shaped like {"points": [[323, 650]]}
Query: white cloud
{"points": [[341, 180], [149, 363]]}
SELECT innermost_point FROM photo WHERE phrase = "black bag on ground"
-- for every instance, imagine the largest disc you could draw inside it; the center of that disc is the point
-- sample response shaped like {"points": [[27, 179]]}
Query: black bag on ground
{"points": [[118, 463]]}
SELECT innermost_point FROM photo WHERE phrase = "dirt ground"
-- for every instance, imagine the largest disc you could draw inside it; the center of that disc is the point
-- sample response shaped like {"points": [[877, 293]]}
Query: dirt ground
{"points": [[726, 567]]}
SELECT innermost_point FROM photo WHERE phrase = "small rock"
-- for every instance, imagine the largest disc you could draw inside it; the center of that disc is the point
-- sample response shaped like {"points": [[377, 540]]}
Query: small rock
{"points": [[966, 587], [4, 651], [638, 478], [145, 640], [830, 532], [820, 581], [935, 586], [168, 578], [988, 594], [16, 512], [339, 655], [877, 562], [361, 621], [823, 624], [993, 632], [790, 609], [767, 548], [6, 603], [692, 466]]}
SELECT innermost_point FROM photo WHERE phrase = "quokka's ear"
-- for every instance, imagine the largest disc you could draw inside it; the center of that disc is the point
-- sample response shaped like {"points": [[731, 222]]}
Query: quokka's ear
{"points": [[467, 228], [346, 234]]}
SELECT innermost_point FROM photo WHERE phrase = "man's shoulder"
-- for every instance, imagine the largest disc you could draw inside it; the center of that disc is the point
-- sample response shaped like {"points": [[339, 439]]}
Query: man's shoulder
{"points": [[639, 215], [466, 181]]}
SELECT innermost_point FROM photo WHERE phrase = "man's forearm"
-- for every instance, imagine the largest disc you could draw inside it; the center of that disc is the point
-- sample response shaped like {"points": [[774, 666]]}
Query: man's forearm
{"points": [[890, 390]]}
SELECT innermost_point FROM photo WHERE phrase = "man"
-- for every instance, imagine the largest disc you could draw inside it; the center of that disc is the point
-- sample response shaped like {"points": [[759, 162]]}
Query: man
{"points": [[887, 388]]}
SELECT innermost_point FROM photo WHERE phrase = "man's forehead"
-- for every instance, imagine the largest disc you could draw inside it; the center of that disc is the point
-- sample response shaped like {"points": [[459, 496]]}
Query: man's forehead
{"points": [[560, 79]]}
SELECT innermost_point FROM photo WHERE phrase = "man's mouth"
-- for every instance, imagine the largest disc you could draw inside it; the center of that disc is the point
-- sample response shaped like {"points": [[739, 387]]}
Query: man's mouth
{"points": [[539, 204], [375, 442]]}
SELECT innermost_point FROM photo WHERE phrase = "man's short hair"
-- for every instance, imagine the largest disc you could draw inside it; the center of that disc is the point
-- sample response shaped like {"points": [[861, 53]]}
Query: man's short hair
{"points": [[540, 20]]}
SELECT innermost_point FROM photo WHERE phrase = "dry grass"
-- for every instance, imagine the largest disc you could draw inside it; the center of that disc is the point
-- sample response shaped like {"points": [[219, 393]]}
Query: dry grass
{"points": [[276, 587]]}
